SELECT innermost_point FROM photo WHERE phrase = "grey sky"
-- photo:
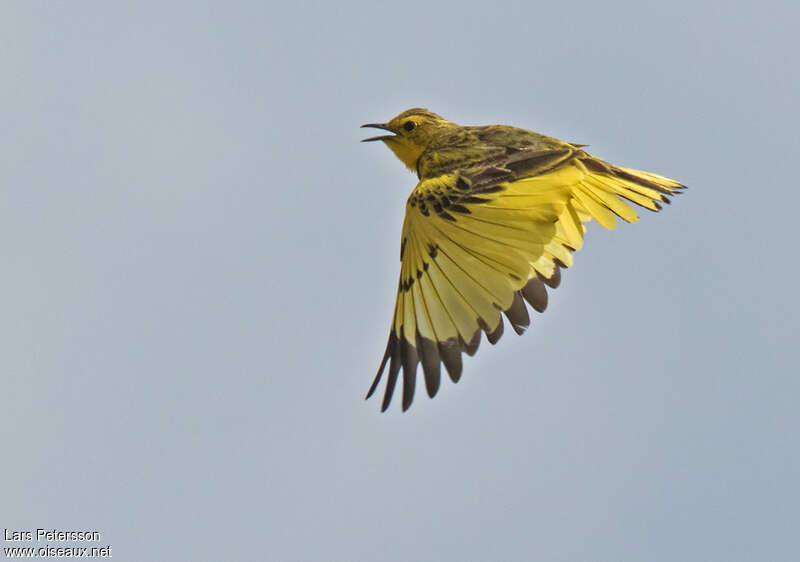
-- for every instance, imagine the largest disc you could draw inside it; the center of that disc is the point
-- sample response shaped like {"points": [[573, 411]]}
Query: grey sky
{"points": [[200, 259]]}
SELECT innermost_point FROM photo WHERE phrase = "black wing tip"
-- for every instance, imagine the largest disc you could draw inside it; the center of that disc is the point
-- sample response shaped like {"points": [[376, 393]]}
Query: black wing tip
{"points": [[535, 293], [431, 364], [403, 356], [394, 368], [450, 352], [494, 335], [386, 356], [554, 280], [517, 314], [471, 347]]}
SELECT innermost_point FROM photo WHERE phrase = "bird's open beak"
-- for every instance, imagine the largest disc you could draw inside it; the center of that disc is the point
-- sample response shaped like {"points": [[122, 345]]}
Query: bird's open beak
{"points": [[378, 126]]}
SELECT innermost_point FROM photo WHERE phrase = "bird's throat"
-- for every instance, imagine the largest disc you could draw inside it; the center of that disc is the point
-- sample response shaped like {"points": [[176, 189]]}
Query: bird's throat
{"points": [[407, 152]]}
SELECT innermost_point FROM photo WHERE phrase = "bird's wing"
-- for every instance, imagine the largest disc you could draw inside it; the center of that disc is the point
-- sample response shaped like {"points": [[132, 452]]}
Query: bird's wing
{"points": [[483, 241]]}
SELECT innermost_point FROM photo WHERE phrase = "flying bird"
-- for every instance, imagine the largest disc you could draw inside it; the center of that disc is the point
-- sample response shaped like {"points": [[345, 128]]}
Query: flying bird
{"points": [[496, 214]]}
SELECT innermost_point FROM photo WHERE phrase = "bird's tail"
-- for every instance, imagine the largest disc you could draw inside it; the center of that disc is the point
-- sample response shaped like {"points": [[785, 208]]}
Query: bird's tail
{"points": [[605, 191]]}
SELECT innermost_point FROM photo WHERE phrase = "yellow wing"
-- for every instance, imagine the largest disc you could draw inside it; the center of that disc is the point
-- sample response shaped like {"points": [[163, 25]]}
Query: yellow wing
{"points": [[483, 241]]}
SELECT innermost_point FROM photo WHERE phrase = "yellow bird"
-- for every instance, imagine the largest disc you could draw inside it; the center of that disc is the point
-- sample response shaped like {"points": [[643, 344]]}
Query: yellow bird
{"points": [[497, 211]]}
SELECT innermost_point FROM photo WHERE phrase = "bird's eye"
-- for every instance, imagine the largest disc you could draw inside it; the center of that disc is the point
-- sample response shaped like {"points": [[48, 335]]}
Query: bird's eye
{"points": [[409, 125]]}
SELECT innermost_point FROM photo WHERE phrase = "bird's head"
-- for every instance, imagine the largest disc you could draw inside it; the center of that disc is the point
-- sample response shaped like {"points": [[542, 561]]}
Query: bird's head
{"points": [[413, 131]]}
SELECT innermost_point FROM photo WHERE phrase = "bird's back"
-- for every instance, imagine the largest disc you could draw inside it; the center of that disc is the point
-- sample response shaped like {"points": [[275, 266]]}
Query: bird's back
{"points": [[461, 148]]}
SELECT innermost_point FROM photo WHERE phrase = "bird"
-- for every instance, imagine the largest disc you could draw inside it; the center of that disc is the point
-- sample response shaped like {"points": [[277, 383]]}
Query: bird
{"points": [[497, 213]]}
